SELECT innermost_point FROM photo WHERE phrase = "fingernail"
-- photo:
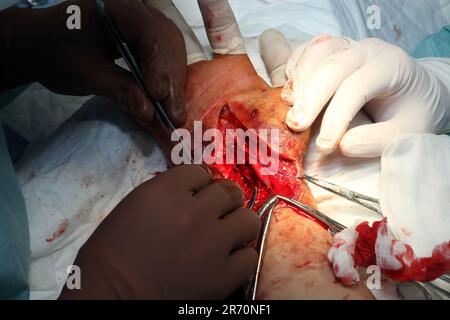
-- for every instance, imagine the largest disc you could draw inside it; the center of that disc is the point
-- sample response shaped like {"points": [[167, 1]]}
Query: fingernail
{"points": [[287, 93], [295, 118], [180, 115], [146, 113], [234, 191], [325, 145]]}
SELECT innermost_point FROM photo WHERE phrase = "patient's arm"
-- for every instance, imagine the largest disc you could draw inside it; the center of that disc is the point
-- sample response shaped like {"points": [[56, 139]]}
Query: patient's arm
{"points": [[295, 264]]}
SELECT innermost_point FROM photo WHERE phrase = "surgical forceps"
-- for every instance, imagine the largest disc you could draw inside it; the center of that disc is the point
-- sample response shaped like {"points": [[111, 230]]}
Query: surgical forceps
{"points": [[366, 201], [266, 211]]}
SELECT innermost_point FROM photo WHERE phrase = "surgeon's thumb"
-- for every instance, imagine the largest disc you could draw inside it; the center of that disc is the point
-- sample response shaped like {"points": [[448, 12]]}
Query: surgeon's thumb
{"points": [[370, 140], [117, 83], [130, 96]]}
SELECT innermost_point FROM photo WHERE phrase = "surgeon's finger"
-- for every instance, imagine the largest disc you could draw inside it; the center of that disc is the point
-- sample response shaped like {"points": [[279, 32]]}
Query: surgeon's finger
{"points": [[194, 49], [303, 62], [221, 198], [295, 58], [315, 53], [243, 226], [241, 266], [363, 85], [159, 49], [163, 62], [370, 140], [129, 95], [192, 178], [275, 51], [287, 94], [108, 79], [221, 27], [322, 85]]}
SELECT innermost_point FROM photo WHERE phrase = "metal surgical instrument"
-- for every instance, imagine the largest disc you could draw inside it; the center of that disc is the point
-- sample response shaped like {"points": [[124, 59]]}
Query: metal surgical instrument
{"points": [[265, 214], [374, 205], [132, 64]]}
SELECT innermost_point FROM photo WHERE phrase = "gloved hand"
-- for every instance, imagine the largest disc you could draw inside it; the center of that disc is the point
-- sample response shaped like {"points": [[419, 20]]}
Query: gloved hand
{"points": [[38, 46], [400, 95], [178, 236]]}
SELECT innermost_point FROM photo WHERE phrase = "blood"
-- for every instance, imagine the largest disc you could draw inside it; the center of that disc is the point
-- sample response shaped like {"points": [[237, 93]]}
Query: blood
{"points": [[250, 175], [59, 230], [365, 244], [413, 268], [255, 114], [303, 265]]}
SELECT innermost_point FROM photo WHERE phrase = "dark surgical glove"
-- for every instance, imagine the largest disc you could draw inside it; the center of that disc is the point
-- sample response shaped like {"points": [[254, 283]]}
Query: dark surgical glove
{"points": [[178, 236], [37, 45]]}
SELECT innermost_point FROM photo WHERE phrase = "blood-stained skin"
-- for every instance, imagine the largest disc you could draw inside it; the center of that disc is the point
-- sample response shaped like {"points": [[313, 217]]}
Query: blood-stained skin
{"points": [[227, 93]]}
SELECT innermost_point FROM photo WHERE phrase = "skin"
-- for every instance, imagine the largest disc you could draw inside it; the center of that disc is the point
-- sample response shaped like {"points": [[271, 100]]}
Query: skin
{"points": [[295, 265], [112, 260]]}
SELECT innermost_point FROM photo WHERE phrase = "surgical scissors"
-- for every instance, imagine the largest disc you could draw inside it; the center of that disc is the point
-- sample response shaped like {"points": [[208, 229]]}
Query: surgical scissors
{"points": [[366, 201]]}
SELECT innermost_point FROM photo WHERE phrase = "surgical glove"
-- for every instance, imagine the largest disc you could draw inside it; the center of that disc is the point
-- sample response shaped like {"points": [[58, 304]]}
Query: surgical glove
{"points": [[400, 94], [178, 236], [221, 27], [38, 45]]}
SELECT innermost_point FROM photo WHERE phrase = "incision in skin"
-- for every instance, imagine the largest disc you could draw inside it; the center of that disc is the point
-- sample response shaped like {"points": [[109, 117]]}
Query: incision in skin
{"points": [[249, 175], [227, 93], [295, 264]]}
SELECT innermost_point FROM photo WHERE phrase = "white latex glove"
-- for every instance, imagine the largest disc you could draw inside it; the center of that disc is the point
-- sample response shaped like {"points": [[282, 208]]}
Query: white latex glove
{"points": [[221, 28], [400, 94]]}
